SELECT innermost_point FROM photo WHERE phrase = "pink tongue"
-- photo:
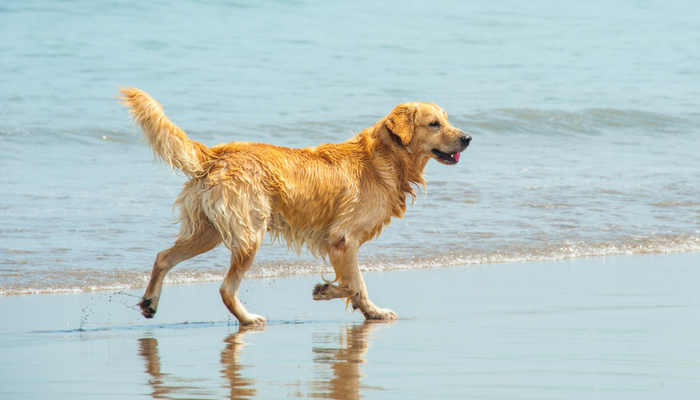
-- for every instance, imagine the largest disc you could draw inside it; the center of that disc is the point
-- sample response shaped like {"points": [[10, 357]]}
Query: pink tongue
{"points": [[456, 156]]}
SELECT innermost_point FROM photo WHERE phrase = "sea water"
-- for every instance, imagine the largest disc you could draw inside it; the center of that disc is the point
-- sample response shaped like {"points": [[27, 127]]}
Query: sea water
{"points": [[584, 117]]}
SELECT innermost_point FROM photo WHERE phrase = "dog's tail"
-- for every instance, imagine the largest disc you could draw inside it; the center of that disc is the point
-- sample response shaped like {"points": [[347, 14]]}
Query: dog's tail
{"points": [[165, 139]]}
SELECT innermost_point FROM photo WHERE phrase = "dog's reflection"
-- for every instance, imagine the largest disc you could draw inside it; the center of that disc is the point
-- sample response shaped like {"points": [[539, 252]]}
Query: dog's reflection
{"points": [[165, 386], [148, 349], [343, 352], [339, 356], [241, 388]]}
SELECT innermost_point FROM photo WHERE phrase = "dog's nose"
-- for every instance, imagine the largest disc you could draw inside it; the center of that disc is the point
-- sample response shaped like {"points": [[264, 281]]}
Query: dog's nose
{"points": [[465, 139]]}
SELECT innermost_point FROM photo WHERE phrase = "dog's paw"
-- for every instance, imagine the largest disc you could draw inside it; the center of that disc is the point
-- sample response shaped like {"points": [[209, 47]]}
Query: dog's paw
{"points": [[253, 320], [322, 292], [146, 309], [381, 314]]}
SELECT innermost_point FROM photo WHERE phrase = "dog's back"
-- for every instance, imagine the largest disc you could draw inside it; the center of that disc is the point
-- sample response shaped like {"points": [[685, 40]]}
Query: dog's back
{"points": [[303, 196]]}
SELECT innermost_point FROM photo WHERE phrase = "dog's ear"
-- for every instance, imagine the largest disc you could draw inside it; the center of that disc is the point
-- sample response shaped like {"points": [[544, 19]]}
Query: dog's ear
{"points": [[401, 123]]}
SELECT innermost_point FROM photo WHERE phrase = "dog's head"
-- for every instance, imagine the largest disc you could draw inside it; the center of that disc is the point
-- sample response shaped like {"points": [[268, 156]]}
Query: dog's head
{"points": [[423, 129]]}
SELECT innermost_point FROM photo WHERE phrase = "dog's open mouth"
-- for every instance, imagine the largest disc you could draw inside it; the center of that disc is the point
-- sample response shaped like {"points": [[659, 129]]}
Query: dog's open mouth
{"points": [[447, 158]]}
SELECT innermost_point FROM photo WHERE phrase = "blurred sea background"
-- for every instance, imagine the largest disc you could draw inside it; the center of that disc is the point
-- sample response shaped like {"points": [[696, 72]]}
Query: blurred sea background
{"points": [[584, 117]]}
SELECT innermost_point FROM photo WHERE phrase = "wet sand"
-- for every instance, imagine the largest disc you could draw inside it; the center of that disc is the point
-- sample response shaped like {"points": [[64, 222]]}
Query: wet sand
{"points": [[625, 327]]}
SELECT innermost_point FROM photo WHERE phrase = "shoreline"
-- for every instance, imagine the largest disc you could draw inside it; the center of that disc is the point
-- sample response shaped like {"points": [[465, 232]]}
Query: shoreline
{"points": [[258, 271], [622, 327]]}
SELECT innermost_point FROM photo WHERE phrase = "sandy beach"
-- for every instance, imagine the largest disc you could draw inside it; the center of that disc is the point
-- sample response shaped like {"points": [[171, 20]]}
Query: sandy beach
{"points": [[622, 327]]}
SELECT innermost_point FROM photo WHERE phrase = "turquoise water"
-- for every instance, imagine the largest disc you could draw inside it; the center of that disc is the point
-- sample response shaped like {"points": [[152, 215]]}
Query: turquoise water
{"points": [[584, 118]]}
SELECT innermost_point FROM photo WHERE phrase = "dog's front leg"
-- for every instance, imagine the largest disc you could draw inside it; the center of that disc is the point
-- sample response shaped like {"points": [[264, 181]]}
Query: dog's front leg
{"points": [[343, 257], [362, 302]]}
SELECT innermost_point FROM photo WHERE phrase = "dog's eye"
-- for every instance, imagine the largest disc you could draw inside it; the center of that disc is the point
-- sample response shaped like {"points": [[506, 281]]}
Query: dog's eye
{"points": [[435, 124]]}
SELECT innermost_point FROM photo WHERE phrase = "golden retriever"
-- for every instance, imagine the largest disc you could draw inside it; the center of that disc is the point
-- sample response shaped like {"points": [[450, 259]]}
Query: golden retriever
{"points": [[331, 198]]}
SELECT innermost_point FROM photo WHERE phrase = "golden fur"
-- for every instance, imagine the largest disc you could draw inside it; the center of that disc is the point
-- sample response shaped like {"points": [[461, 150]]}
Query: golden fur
{"points": [[331, 198]]}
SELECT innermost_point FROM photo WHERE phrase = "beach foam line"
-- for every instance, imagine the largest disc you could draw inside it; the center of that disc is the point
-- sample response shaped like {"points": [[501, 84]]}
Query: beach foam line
{"points": [[75, 281]]}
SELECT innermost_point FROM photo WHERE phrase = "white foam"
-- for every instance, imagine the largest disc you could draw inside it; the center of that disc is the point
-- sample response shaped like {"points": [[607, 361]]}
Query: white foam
{"points": [[552, 252]]}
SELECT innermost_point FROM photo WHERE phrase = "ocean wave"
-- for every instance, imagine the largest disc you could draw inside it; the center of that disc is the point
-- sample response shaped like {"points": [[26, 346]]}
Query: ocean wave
{"points": [[587, 122], [309, 132], [97, 280]]}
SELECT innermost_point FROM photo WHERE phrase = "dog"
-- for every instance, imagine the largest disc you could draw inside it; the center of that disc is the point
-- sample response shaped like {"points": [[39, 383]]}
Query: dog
{"points": [[331, 198]]}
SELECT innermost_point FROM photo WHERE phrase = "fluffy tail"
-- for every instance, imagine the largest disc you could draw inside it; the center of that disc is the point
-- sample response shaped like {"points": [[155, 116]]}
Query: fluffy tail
{"points": [[165, 138]]}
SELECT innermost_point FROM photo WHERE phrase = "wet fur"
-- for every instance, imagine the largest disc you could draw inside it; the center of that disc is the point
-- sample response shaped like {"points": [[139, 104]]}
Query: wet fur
{"points": [[331, 198]]}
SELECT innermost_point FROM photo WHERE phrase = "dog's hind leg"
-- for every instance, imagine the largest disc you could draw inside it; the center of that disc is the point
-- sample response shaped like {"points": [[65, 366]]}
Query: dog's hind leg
{"points": [[205, 239], [343, 257], [241, 210], [241, 261], [244, 248]]}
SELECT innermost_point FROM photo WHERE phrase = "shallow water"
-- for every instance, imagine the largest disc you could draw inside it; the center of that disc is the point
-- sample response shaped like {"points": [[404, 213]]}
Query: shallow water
{"points": [[584, 118], [606, 328]]}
